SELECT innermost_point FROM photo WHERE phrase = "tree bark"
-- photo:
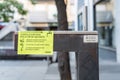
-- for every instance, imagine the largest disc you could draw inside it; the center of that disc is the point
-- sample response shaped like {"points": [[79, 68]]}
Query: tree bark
{"points": [[63, 57], [62, 15]]}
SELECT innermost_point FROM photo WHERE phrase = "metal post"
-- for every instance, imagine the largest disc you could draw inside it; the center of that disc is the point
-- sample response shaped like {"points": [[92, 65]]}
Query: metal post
{"points": [[85, 44], [87, 65]]}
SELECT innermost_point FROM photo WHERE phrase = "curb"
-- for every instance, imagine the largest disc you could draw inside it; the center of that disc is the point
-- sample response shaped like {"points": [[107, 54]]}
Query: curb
{"points": [[108, 48]]}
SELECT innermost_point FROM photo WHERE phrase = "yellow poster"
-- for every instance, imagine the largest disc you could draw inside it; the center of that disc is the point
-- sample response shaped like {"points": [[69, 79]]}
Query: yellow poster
{"points": [[35, 42]]}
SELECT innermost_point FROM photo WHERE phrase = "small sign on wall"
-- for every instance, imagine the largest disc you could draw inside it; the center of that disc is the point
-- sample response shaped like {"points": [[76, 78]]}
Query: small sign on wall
{"points": [[90, 39]]}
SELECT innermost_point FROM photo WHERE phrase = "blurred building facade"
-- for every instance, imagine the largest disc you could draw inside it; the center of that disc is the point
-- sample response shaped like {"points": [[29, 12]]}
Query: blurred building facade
{"points": [[103, 16], [84, 17], [105, 22], [40, 15], [44, 13]]}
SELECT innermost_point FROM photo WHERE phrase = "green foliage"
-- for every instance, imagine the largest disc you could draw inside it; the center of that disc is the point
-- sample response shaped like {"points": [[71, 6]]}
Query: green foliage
{"points": [[8, 8], [33, 2]]}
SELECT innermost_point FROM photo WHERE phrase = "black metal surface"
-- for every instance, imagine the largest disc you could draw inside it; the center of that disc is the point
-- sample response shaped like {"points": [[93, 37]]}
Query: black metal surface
{"points": [[73, 42], [86, 54], [87, 65]]}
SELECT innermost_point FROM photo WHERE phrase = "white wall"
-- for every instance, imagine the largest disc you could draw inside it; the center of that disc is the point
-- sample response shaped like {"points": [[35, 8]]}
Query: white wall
{"points": [[90, 15], [117, 28], [76, 16]]}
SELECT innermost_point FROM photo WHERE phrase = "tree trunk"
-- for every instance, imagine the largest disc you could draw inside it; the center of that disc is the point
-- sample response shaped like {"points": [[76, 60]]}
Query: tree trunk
{"points": [[62, 15], [63, 57]]}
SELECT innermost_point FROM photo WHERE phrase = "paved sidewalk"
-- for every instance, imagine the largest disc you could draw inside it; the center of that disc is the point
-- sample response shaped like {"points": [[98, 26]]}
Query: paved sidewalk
{"points": [[23, 70], [110, 71], [107, 54], [107, 71], [53, 73], [39, 70]]}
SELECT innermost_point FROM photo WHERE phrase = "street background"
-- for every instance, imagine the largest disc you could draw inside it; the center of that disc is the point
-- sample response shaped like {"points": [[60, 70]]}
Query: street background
{"points": [[83, 15], [21, 69]]}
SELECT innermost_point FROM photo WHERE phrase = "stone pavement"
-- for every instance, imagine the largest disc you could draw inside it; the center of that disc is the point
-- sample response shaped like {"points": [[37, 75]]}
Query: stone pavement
{"points": [[39, 70], [107, 71], [23, 70], [107, 54], [53, 73]]}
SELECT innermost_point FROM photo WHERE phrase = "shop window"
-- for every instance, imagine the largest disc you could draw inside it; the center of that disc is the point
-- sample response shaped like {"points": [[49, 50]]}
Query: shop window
{"points": [[80, 22]]}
